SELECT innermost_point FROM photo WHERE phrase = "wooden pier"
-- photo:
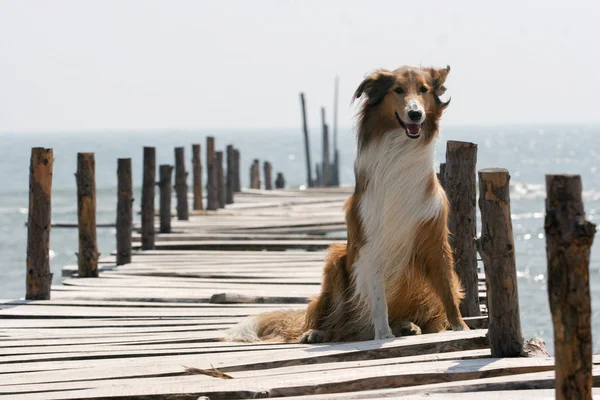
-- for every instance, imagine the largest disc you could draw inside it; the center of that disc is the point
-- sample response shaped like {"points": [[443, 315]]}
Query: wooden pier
{"points": [[153, 328]]}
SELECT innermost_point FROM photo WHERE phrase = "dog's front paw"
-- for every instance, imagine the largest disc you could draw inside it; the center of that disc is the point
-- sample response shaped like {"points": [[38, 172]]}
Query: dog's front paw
{"points": [[384, 335], [313, 336]]}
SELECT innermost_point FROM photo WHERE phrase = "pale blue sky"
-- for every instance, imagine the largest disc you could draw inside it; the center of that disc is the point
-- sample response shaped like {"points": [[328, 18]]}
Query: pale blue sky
{"points": [[92, 65]]}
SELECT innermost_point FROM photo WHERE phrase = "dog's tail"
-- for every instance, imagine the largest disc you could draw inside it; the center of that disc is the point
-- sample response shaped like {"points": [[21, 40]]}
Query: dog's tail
{"points": [[276, 326]]}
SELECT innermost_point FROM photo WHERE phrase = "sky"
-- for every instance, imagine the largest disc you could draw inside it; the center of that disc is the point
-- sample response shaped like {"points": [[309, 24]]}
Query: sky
{"points": [[86, 65]]}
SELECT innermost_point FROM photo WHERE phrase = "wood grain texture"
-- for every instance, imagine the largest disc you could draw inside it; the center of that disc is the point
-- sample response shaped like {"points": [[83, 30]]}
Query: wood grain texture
{"points": [[148, 183], [212, 188], [460, 186], [220, 180], [181, 187], [569, 237], [124, 222], [86, 215], [165, 184], [197, 176], [39, 277], [237, 184], [268, 171], [497, 250], [230, 180]]}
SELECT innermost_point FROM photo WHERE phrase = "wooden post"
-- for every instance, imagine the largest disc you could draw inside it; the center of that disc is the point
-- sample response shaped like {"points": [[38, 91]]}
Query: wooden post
{"points": [[442, 175], [229, 184], [165, 173], [39, 277], [280, 181], [86, 215], [326, 166], [212, 191], [181, 188], [496, 247], [220, 180], [255, 175], [319, 181], [460, 181], [124, 210], [148, 184], [335, 172], [267, 168], [310, 182], [569, 238], [197, 176], [237, 185]]}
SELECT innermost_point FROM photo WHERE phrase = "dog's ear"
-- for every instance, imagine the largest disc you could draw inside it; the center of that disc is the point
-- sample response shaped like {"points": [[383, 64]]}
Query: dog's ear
{"points": [[375, 86], [438, 78]]}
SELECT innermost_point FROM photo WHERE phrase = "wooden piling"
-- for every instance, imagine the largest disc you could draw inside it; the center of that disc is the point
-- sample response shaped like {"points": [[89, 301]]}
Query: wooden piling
{"points": [[124, 210], [39, 277], [496, 247], [220, 180], [569, 238], [181, 188], [229, 182], [237, 185], [212, 191], [165, 184], [280, 181], [442, 175], [460, 186], [255, 175], [335, 170], [149, 181], [326, 166], [267, 169], [86, 215], [197, 176], [310, 182]]}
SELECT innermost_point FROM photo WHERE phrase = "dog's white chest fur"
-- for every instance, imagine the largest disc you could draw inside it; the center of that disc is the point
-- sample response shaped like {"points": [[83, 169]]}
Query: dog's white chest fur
{"points": [[397, 200]]}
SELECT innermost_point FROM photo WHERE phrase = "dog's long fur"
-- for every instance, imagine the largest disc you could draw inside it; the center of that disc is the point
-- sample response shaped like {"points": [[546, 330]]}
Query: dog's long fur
{"points": [[396, 274]]}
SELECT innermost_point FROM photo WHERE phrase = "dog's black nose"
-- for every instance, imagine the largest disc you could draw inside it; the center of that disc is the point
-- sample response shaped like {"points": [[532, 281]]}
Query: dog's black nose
{"points": [[415, 115]]}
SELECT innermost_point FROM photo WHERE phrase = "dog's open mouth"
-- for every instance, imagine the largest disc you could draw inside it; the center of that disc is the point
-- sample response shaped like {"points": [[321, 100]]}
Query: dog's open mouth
{"points": [[413, 131]]}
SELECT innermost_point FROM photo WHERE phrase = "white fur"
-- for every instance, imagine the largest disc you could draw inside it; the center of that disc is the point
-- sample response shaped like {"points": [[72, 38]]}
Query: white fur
{"points": [[244, 331], [396, 201], [414, 105]]}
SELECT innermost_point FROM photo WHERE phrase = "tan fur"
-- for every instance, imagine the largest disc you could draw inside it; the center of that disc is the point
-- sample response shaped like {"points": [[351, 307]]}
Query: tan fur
{"points": [[428, 292]]}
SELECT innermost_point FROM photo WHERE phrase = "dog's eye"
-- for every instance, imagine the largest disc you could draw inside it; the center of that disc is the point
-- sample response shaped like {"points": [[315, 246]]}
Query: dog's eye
{"points": [[423, 89], [399, 90]]}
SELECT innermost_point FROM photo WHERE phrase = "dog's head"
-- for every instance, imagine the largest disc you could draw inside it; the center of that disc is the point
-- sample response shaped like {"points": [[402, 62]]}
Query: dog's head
{"points": [[407, 98]]}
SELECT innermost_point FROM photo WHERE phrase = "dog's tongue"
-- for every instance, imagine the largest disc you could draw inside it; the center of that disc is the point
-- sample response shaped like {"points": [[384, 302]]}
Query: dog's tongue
{"points": [[413, 129]]}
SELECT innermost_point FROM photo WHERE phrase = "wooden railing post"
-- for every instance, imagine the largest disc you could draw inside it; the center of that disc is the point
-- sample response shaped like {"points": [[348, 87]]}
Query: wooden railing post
{"points": [[280, 181], [86, 215], [39, 277], [212, 191], [165, 173], [442, 175], [460, 185], [197, 176], [255, 175], [181, 187], [306, 142], [569, 238], [229, 184], [268, 179], [148, 184], [220, 180], [237, 184], [497, 249], [124, 210]]}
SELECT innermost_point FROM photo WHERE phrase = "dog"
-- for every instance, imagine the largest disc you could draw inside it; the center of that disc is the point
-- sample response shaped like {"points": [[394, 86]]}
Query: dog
{"points": [[395, 276]]}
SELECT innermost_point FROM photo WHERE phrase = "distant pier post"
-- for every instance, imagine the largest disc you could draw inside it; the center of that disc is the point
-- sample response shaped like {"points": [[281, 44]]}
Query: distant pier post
{"points": [[268, 171], [165, 184], [220, 180], [306, 142], [181, 187], [230, 180], [39, 277], [569, 238], [148, 188], [497, 249], [212, 193], [197, 176], [124, 210], [326, 166], [237, 184], [460, 185], [86, 215], [255, 175], [280, 181]]}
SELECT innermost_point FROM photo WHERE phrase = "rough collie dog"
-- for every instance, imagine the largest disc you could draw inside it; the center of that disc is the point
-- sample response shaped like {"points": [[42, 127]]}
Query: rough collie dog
{"points": [[396, 274]]}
